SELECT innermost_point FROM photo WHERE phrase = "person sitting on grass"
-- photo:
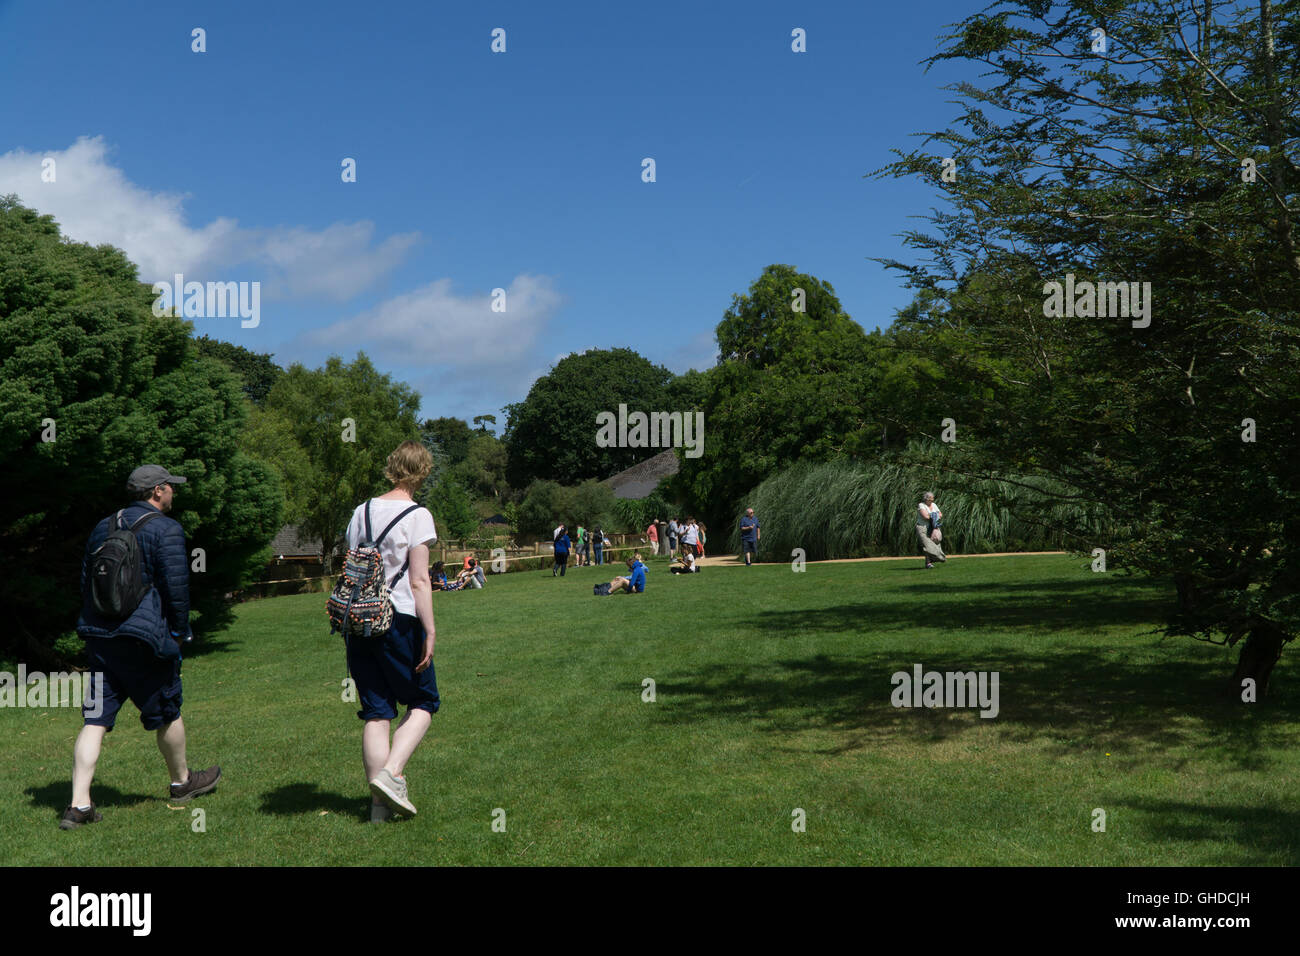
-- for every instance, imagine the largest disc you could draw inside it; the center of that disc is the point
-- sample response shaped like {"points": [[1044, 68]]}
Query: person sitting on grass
{"points": [[438, 574], [634, 583], [684, 565], [472, 575]]}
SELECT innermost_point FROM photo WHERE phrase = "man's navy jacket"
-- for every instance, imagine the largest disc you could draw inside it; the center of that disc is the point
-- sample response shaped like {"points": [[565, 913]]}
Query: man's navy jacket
{"points": [[164, 563]]}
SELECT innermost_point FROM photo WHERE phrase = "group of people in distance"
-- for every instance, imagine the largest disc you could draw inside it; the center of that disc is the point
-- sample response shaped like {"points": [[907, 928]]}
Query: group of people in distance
{"points": [[469, 576], [683, 536], [588, 540]]}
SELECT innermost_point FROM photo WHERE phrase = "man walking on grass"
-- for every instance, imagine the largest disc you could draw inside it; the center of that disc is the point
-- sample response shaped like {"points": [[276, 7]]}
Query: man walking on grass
{"points": [[135, 614]]}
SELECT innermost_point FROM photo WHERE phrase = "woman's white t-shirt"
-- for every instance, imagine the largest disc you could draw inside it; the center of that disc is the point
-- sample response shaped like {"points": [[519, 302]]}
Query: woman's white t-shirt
{"points": [[416, 528]]}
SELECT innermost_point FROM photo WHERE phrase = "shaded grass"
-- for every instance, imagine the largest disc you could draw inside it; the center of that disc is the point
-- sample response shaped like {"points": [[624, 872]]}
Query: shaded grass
{"points": [[772, 693]]}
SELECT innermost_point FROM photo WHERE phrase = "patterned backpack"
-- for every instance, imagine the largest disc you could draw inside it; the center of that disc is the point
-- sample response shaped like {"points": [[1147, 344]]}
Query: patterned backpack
{"points": [[361, 604]]}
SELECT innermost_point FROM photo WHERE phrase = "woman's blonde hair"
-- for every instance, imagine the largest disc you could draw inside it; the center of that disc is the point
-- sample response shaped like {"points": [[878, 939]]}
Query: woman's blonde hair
{"points": [[408, 466]]}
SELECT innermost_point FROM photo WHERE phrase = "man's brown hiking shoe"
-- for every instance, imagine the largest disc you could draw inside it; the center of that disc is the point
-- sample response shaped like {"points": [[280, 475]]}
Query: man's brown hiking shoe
{"points": [[205, 781], [73, 818]]}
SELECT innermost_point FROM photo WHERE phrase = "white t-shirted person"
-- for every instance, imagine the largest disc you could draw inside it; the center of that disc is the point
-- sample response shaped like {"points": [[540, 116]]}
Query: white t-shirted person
{"points": [[396, 667], [415, 528]]}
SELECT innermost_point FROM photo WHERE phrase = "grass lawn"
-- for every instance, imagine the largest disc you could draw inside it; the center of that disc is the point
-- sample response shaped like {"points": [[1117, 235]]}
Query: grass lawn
{"points": [[773, 693]]}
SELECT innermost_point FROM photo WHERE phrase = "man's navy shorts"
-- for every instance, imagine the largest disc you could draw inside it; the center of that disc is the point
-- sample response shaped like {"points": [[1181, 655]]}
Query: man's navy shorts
{"points": [[750, 546], [133, 672], [384, 669]]}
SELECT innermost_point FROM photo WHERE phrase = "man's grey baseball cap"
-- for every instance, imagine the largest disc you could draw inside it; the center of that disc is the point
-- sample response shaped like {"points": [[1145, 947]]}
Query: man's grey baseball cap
{"points": [[151, 476]]}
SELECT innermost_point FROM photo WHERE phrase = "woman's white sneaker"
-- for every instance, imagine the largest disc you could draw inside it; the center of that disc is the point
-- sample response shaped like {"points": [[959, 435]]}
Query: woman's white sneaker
{"points": [[392, 791]]}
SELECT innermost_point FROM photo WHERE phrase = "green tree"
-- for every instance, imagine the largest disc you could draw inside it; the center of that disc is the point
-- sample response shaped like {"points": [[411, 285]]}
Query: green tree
{"points": [[329, 432], [688, 391], [592, 503], [255, 369], [1161, 160], [92, 385], [452, 510], [790, 385], [551, 434], [453, 436], [483, 471], [482, 421], [545, 504]]}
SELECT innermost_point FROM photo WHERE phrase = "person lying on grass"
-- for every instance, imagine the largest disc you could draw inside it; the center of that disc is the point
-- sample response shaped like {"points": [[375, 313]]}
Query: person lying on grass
{"points": [[634, 583]]}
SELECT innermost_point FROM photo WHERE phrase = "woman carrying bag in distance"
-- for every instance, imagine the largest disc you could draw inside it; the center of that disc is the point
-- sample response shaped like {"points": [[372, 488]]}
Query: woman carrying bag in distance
{"points": [[927, 530]]}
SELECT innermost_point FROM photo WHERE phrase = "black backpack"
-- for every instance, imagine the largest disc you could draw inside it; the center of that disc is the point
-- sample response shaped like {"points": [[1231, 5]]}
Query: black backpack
{"points": [[116, 582]]}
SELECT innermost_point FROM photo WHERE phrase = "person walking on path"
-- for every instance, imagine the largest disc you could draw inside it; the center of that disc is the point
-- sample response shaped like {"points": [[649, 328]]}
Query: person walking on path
{"points": [[927, 524], [652, 532], [396, 667], [750, 531], [598, 543], [136, 654], [562, 545]]}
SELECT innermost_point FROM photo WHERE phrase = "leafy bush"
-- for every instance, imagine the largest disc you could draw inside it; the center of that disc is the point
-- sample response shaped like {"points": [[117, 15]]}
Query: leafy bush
{"points": [[846, 509], [635, 515]]}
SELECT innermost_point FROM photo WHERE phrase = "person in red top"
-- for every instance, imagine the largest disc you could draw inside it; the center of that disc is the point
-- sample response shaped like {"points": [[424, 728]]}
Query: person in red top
{"points": [[652, 533]]}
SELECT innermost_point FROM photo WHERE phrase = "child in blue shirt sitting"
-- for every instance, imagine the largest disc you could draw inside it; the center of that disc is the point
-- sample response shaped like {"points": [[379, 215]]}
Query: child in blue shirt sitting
{"points": [[634, 583]]}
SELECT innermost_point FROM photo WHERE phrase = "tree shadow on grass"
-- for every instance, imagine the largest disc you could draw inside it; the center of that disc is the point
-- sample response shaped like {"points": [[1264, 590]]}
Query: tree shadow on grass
{"points": [[1261, 833], [1135, 703], [1094, 586], [56, 794], [308, 798], [998, 613]]}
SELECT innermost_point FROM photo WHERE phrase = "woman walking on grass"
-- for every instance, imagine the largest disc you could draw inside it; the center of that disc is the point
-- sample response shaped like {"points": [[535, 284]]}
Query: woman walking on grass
{"points": [[927, 530], [396, 667], [562, 545]]}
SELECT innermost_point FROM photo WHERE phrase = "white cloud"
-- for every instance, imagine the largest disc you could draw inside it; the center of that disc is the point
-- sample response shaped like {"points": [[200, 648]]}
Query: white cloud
{"points": [[95, 202], [432, 325]]}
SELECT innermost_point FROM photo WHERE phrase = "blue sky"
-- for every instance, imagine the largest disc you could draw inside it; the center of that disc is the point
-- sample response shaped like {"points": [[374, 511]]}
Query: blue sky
{"points": [[477, 170]]}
